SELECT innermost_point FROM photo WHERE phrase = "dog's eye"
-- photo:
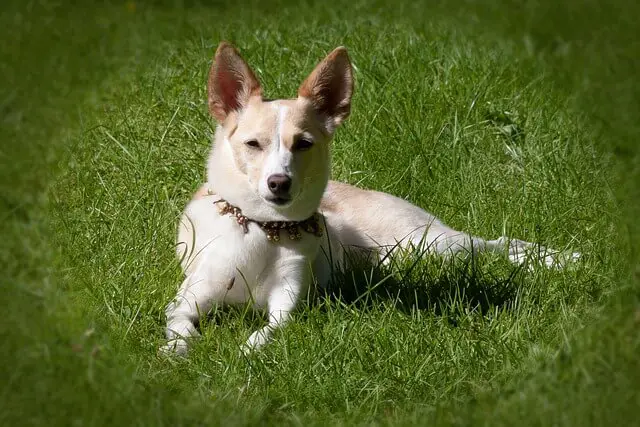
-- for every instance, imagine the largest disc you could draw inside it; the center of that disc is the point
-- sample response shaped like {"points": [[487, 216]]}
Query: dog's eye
{"points": [[252, 143], [302, 144]]}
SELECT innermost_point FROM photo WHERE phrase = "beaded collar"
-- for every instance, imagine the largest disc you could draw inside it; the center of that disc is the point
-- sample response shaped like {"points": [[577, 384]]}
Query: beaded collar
{"points": [[272, 228]]}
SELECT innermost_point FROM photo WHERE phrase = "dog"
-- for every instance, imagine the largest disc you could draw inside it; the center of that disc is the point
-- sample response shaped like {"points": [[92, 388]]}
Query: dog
{"points": [[269, 220]]}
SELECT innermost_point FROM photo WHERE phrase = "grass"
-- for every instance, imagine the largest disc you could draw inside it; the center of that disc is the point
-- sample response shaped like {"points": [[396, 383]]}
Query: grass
{"points": [[498, 119]]}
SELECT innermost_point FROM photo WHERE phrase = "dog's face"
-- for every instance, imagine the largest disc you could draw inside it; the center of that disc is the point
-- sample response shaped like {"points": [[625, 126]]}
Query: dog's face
{"points": [[271, 157], [281, 148]]}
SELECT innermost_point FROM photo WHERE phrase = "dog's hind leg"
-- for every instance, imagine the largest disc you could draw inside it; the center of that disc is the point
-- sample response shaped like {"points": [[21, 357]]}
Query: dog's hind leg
{"points": [[520, 252], [445, 241]]}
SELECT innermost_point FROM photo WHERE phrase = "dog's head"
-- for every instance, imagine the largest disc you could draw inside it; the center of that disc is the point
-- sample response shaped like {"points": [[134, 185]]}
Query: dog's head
{"points": [[271, 157]]}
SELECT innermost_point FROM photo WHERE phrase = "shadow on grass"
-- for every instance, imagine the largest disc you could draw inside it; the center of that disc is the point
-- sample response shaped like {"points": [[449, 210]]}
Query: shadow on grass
{"points": [[444, 287], [427, 282]]}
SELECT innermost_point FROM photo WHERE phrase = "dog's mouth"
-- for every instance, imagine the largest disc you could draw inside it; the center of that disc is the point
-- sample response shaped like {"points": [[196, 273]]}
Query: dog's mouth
{"points": [[279, 201]]}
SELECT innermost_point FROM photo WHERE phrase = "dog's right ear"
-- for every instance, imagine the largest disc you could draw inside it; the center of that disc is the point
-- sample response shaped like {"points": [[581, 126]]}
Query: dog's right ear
{"points": [[231, 82]]}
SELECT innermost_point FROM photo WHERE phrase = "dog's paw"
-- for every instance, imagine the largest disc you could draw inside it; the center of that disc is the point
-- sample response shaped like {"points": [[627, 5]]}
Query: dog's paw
{"points": [[557, 260], [256, 340], [533, 255], [565, 259], [174, 347]]}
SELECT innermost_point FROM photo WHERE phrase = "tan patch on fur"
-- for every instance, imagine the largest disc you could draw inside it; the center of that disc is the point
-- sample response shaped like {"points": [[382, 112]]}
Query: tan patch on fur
{"points": [[260, 121], [337, 192], [300, 119]]}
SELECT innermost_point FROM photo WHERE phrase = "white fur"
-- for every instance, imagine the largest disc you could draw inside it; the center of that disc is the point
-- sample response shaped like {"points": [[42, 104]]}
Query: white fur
{"points": [[280, 158], [267, 275]]}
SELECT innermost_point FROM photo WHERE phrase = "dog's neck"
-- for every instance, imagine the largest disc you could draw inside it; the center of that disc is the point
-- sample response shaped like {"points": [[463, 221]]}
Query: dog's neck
{"points": [[310, 225]]}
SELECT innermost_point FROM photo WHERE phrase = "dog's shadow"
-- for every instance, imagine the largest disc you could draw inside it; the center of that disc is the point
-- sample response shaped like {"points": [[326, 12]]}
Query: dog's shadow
{"points": [[425, 282], [448, 288]]}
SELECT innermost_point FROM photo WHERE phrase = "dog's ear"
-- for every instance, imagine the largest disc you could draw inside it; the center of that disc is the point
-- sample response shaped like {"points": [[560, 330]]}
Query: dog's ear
{"points": [[231, 82], [330, 86]]}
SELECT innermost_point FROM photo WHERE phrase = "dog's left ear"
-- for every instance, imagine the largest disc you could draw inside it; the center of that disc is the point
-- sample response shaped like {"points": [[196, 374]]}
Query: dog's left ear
{"points": [[330, 86]]}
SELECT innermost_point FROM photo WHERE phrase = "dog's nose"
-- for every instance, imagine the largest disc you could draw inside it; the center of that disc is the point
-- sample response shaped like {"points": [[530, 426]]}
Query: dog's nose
{"points": [[279, 184]]}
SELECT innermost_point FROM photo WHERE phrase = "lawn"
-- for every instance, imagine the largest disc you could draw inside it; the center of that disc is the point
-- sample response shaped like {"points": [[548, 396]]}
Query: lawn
{"points": [[496, 117]]}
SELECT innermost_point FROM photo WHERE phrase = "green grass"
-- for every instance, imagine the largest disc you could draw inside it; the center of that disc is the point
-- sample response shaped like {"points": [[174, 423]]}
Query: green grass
{"points": [[499, 119]]}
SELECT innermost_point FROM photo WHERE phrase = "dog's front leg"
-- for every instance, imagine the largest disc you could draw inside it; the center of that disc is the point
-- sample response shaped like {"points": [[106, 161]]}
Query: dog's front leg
{"points": [[195, 297], [287, 285]]}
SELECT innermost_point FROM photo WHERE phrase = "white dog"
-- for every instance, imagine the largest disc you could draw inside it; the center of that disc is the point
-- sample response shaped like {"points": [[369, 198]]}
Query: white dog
{"points": [[268, 219]]}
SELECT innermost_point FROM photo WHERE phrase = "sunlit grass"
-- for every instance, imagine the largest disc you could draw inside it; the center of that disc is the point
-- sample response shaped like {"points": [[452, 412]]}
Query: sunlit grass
{"points": [[475, 128]]}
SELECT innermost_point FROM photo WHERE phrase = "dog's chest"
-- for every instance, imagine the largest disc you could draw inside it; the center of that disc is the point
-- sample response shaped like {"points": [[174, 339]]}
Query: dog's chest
{"points": [[242, 266]]}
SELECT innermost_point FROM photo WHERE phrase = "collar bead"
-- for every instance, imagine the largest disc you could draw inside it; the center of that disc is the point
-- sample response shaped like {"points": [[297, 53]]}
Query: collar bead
{"points": [[310, 225]]}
